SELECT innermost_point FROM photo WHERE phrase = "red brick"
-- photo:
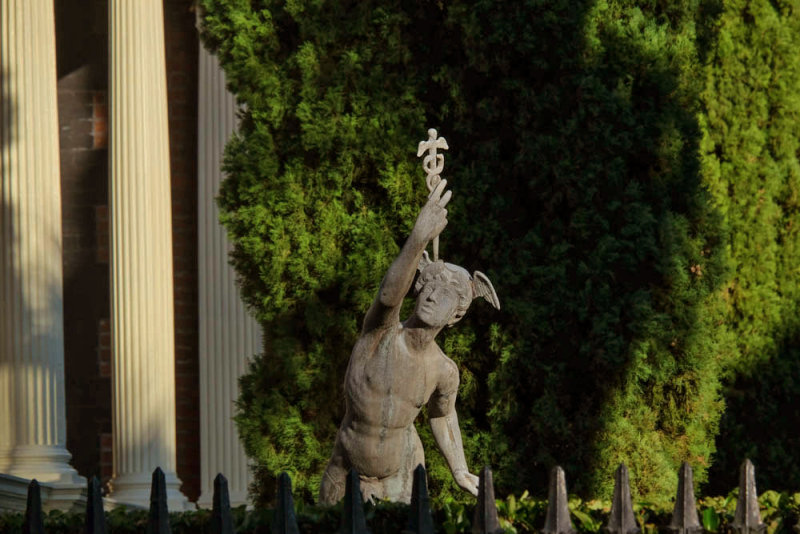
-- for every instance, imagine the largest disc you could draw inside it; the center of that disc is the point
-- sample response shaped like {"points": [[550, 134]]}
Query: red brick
{"points": [[181, 57], [104, 348], [101, 233], [106, 457], [99, 120]]}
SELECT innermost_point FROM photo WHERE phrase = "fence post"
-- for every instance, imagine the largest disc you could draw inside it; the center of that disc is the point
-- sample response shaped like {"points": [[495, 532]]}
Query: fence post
{"points": [[284, 521], [484, 521], [353, 520], [95, 518], [158, 521], [420, 520], [684, 515], [221, 520], [621, 520], [34, 523], [747, 519], [557, 520]]}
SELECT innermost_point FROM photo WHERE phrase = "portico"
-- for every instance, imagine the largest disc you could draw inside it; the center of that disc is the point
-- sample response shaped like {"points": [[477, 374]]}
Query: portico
{"points": [[33, 417]]}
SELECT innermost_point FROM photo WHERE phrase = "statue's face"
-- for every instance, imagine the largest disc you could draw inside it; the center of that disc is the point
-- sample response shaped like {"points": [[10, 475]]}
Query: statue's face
{"points": [[439, 298]]}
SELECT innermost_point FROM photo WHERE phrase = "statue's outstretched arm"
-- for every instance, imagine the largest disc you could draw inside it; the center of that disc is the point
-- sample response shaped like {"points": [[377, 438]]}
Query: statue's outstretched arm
{"points": [[431, 221], [444, 424]]}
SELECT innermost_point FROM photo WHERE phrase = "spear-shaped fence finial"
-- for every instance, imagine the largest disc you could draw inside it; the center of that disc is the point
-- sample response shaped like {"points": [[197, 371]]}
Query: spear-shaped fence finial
{"points": [[221, 519], [684, 515], [34, 522], [353, 520], [557, 520], [420, 519], [95, 518], [284, 521], [158, 520], [622, 520], [747, 518], [485, 520]]}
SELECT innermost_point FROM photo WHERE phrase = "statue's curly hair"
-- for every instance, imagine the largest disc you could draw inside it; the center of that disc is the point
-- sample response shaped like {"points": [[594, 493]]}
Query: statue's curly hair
{"points": [[458, 276]]}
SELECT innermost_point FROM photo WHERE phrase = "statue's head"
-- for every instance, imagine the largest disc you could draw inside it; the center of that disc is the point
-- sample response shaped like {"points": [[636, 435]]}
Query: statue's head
{"points": [[444, 292]]}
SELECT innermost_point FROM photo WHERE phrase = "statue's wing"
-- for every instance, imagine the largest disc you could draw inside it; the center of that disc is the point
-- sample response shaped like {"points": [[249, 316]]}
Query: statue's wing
{"points": [[483, 288], [424, 261], [422, 148]]}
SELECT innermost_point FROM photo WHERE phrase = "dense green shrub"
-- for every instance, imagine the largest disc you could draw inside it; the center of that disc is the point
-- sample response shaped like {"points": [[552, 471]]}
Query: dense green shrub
{"points": [[597, 154], [322, 187], [750, 148], [601, 232]]}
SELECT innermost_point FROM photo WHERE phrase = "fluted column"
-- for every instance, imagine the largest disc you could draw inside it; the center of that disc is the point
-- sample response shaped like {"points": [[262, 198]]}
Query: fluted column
{"points": [[142, 323], [228, 334], [32, 407]]}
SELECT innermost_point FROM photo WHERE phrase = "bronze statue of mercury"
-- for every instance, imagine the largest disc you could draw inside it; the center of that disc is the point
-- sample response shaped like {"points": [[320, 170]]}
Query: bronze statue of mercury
{"points": [[396, 368]]}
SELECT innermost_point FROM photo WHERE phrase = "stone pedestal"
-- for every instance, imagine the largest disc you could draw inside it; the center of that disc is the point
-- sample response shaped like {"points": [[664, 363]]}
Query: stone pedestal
{"points": [[142, 315], [32, 406], [228, 335]]}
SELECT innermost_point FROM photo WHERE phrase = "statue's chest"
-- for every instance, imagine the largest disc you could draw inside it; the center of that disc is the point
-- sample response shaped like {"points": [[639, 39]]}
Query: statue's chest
{"points": [[392, 370]]}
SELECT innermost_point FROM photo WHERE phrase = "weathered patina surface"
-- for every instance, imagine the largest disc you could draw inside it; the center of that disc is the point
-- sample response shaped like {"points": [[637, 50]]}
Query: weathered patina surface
{"points": [[396, 368]]}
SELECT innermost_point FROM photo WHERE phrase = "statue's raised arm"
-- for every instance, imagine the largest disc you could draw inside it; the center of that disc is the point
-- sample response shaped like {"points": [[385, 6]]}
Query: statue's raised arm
{"points": [[432, 219]]}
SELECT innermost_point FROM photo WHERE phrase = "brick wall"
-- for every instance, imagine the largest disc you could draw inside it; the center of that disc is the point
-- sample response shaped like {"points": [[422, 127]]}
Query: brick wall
{"points": [[181, 49], [81, 42]]}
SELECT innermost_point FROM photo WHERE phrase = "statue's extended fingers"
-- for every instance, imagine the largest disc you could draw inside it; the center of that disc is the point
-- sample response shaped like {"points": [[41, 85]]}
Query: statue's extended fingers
{"points": [[445, 198], [437, 191]]}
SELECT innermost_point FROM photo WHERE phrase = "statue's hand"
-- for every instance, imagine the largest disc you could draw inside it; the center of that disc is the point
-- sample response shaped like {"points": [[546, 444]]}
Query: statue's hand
{"points": [[467, 481], [433, 216]]}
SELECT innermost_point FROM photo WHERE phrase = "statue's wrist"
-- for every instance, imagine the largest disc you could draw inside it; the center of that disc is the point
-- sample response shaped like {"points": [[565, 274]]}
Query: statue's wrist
{"points": [[417, 239]]}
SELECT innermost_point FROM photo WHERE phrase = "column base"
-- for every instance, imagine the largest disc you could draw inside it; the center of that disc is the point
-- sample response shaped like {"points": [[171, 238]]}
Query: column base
{"points": [[46, 463], [61, 486], [14, 495], [133, 490]]}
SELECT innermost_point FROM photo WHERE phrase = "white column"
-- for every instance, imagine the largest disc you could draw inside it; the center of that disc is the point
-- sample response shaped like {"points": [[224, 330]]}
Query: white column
{"points": [[142, 315], [228, 334], [32, 407]]}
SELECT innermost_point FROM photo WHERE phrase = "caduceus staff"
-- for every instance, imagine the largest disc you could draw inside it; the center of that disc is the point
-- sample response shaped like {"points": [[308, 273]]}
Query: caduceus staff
{"points": [[433, 164]]}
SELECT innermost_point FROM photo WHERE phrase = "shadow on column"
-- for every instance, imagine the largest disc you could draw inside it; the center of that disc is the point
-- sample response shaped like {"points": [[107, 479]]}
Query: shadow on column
{"points": [[7, 434]]}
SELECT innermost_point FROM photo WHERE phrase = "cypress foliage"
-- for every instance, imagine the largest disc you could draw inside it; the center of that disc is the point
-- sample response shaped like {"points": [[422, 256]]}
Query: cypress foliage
{"points": [[751, 146], [578, 188], [601, 233], [322, 184]]}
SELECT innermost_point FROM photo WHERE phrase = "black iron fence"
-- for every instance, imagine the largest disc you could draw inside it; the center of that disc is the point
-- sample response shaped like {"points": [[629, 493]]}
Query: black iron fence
{"points": [[685, 520]]}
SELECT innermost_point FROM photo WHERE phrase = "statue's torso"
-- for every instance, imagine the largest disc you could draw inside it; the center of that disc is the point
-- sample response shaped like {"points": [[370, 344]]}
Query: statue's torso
{"points": [[386, 385]]}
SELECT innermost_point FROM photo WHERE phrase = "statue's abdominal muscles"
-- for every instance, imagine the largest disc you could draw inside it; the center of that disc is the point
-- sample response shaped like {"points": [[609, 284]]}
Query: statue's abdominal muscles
{"points": [[386, 387]]}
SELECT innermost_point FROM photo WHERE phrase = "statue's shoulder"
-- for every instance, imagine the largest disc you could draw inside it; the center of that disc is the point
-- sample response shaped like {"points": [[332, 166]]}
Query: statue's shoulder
{"points": [[381, 331], [448, 369], [374, 340], [379, 319]]}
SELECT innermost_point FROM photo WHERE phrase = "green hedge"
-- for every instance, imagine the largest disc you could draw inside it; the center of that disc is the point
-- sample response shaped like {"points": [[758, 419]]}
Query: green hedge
{"points": [[625, 174], [524, 514], [751, 165]]}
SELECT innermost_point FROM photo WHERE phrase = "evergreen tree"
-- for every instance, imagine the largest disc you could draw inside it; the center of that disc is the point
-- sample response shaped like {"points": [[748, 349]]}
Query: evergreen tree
{"points": [[751, 146], [320, 189], [579, 188], [604, 240]]}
